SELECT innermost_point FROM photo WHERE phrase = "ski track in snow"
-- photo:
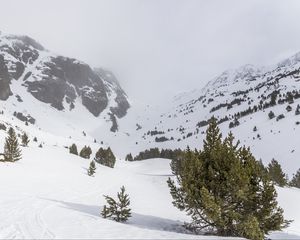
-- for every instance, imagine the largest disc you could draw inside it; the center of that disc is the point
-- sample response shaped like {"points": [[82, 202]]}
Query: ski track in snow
{"points": [[27, 219]]}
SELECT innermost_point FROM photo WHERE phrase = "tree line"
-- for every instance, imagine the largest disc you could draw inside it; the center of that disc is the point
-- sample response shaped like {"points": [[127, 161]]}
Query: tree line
{"points": [[155, 153]]}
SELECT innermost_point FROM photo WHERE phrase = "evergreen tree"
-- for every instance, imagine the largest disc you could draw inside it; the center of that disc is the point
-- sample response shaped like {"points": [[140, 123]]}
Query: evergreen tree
{"points": [[92, 169], [73, 149], [35, 139], [85, 152], [129, 157], [12, 151], [271, 115], [105, 157], [279, 117], [25, 140], [225, 191], [297, 112], [276, 174], [295, 182], [177, 158], [262, 167], [111, 159], [106, 213], [117, 210]]}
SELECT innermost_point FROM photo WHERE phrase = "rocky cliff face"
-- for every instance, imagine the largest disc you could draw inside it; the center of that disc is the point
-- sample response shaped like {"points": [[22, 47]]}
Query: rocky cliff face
{"points": [[4, 80], [112, 85], [57, 80]]}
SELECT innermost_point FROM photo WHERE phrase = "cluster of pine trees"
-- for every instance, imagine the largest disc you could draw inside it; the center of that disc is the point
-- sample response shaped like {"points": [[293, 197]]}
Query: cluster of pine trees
{"points": [[85, 152], [277, 175], [105, 157], [225, 190]]}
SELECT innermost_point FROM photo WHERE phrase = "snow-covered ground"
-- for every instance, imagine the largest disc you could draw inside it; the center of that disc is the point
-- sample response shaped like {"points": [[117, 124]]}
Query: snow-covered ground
{"points": [[48, 194]]}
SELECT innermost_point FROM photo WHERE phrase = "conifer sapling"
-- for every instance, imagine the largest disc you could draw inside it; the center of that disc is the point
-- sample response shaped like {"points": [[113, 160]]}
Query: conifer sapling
{"points": [[25, 140], [12, 151], [117, 210], [92, 169]]}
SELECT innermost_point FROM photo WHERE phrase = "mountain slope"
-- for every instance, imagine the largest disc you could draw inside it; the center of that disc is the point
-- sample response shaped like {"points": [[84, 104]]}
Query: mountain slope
{"points": [[61, 82], [54, 198], [241, 100], [65, 101], [66, 98], [48, 194]]}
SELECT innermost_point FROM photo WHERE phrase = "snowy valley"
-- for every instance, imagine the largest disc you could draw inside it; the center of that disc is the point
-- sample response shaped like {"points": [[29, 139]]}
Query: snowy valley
{"points": [[61, 101]]}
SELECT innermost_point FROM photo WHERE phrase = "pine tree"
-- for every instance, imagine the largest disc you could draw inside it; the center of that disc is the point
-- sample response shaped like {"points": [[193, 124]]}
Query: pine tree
{"points": [[271, 115], [92, 169], [85, 152], [117, 210], [25, 140], [225, 190], [100, 156], [12, 151], [111, 159], [295, 182], [124, 211], [297, 112], [276, 174], [105, 157], [129, 157], [105, 212], [73, 149], [279, 117]]}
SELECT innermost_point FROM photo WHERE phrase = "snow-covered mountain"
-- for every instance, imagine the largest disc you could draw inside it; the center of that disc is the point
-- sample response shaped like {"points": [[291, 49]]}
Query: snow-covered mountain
{"points": [[67, 98], [241, 100], [29, 72], [61, 101]]}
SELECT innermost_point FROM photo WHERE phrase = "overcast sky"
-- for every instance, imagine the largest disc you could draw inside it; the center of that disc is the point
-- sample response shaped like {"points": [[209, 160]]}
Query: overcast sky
{"points": [[160, 47]]}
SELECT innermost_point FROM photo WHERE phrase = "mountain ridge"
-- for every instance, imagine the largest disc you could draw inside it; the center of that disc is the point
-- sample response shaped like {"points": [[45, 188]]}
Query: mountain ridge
{"points": [[55, 79], [241, 100]]}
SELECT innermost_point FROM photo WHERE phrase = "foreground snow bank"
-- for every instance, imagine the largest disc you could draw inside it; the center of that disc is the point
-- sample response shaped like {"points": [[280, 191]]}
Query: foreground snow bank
{"points": [[48, 194]]}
